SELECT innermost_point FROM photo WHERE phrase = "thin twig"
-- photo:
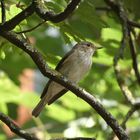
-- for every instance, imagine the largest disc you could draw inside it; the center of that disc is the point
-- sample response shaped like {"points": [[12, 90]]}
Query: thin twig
{"points": [[126, 118], [29, 30], [128, 115], [133, 23], [134, 108], [3, 12], [126, 92], [134, 57], [14, 128]]}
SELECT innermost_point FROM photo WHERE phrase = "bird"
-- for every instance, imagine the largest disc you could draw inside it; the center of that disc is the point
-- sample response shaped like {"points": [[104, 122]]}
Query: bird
{"points": [[74, 66]]}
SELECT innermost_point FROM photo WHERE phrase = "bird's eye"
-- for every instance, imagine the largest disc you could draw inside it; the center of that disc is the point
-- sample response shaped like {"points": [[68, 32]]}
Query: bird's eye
{"points": [[88, 45]]}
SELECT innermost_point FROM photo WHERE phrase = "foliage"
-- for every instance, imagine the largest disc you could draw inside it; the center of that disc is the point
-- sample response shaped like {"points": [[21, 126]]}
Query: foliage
{"points": [[70, 113]]}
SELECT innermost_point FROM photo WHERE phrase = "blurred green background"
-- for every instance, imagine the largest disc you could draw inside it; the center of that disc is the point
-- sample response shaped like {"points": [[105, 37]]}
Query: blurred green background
{"points": [[69, 116]]}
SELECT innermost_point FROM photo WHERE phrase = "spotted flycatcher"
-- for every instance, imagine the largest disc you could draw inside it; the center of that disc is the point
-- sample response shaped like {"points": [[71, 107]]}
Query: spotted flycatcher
{"points": [[74, 65]]}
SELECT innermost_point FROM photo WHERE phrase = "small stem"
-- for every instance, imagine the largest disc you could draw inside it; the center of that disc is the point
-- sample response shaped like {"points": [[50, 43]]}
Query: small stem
{"points": [[3, 12], [29, 30], [134, 57]]}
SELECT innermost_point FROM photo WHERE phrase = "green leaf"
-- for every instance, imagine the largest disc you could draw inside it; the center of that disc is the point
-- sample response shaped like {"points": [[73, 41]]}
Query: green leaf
{"points": [[60, 113], [52, 60], [2, 54], [70, 33], [14, 94], [69, 100], [103, 58], [13, 11], [3, 108], [111, 34], [88, 14]]}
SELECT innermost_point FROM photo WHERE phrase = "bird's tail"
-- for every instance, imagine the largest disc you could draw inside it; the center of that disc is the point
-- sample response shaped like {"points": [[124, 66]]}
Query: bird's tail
{"points": [[36, 111]]}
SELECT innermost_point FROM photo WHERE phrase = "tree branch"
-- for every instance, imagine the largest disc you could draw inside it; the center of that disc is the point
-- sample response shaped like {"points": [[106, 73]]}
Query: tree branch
{"points": [[134, 108], [3, 17], [127, 117], [134, 57], [47, 16], [57, 77], [14, 128], [134, 24], [127, 24], [50, 16], [126, 92], [120, 12], [12, 23]]}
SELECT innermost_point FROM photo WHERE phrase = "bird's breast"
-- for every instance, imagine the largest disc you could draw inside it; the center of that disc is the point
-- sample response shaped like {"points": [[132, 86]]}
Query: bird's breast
{"points": [[76, 67]]}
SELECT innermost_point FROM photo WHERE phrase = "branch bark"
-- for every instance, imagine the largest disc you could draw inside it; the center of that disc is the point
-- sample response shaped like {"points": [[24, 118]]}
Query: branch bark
{"points": [[3, 13], [14, 128], [134, 57], [134, 24], [12, 23], [135, 107], [50, 16], [35, 6], [118, 9]]}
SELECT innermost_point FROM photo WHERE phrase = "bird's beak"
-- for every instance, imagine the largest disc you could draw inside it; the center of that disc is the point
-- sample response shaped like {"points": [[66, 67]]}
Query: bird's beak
{"points": [[98, 47]]}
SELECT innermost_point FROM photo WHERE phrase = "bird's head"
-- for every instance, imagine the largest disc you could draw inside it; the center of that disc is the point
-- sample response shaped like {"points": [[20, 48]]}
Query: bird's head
{"points": [[87, 47]]}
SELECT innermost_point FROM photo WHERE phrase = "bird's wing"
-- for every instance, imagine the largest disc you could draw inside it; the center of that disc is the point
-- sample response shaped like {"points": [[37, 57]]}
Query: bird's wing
{"points": [[45, 89], [58, 67], [54, 98], [62, 61]]}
